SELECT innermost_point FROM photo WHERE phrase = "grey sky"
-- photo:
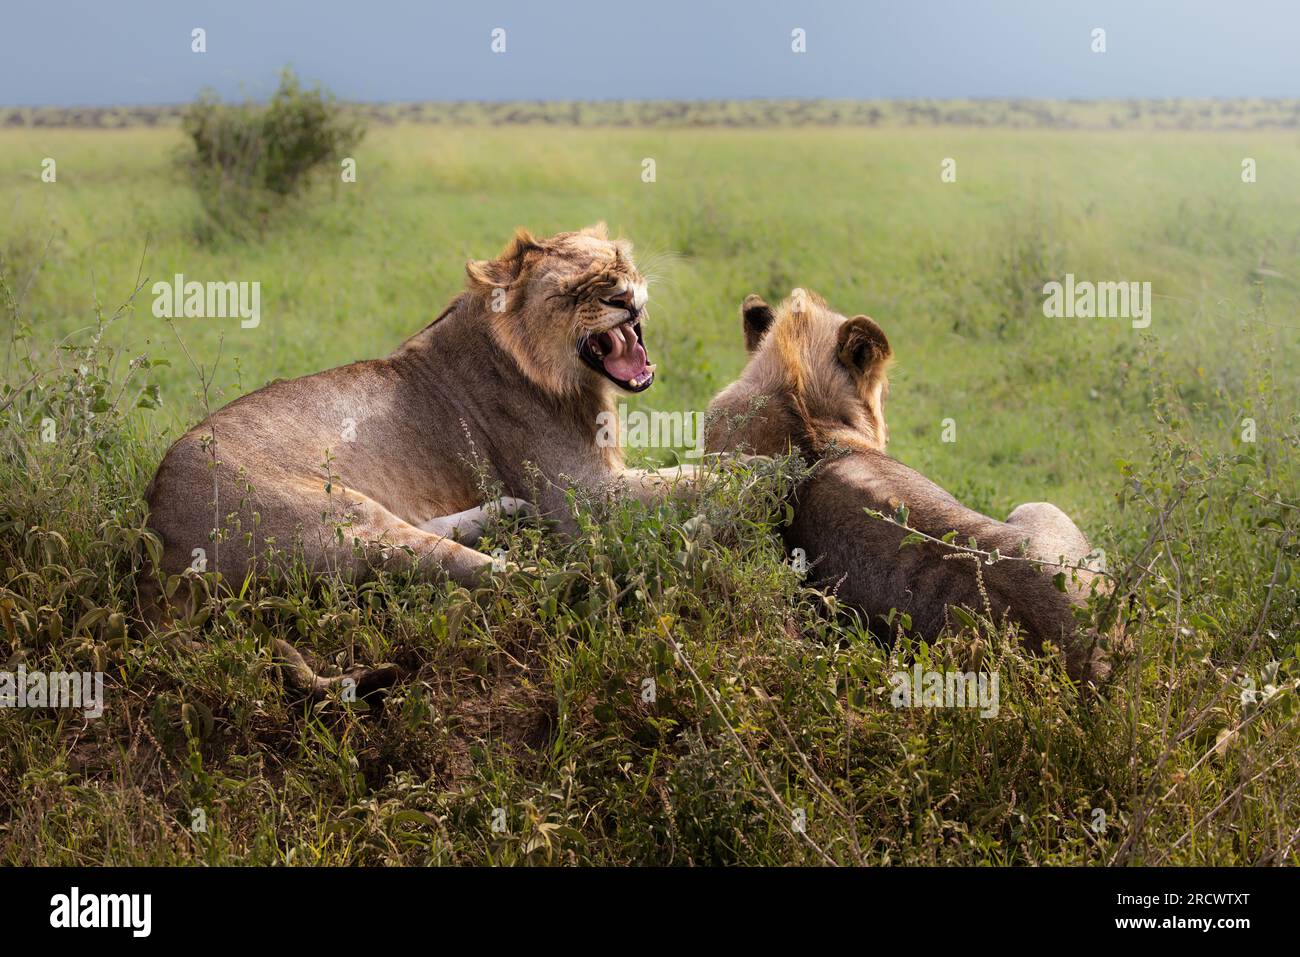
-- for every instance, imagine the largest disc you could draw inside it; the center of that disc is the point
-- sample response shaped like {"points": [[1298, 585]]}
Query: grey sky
{"points": [[94, 52]]}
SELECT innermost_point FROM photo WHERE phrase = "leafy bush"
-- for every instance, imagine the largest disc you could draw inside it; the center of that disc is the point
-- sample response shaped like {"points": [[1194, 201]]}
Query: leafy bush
{"points": [[249, 157]]}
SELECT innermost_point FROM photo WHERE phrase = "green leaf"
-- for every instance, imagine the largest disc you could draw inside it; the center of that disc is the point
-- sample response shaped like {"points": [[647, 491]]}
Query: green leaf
{"points": [[963, 616]]}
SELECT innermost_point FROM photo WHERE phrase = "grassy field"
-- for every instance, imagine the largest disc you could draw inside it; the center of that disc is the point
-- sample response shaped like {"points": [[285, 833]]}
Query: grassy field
{"points": [[525, 696]]}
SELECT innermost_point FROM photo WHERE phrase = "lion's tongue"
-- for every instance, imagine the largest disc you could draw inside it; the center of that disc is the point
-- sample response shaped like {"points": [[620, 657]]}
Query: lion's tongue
{"points": [[626, 360]]}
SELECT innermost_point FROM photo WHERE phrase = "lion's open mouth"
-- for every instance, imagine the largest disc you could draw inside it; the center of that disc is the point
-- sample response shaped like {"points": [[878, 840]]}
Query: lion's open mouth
{"points": [[619, 355]]}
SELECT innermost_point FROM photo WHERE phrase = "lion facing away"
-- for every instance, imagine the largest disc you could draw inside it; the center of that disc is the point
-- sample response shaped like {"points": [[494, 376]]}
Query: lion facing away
{"points": [[816, 383], [383, 462]]}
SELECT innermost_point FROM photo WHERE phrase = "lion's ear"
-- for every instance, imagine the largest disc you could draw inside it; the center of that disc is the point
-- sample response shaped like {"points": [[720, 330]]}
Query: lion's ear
{"points": [[598, 229], [862, 345], [756, 315], [505, 269]]}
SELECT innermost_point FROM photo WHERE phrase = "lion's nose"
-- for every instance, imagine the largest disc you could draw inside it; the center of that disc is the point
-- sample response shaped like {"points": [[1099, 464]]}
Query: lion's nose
{"points": [[622, 300]]}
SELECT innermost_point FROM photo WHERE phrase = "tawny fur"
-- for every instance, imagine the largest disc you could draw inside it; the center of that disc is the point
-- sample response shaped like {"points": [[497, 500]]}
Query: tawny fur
{"points": [[816, 383], [494, 384]]}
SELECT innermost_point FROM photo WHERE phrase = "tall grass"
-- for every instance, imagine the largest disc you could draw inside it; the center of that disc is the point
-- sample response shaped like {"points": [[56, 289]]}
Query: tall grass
{"points": [[662, 688], [529, 696]]}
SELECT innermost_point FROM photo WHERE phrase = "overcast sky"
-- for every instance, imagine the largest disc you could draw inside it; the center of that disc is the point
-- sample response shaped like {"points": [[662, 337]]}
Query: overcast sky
{"points": [[97, 52]]}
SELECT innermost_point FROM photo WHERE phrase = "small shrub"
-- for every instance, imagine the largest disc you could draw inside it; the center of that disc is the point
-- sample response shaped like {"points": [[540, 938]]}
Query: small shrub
{"points": [[248, 158]]}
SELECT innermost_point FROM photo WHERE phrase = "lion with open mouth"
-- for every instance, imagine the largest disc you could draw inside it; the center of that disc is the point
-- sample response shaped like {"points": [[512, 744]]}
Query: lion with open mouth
{"points": [[382, 462], [618, 353]]}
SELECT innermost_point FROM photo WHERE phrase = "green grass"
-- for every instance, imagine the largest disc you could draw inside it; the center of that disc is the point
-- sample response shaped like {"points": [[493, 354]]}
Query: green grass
{"points": [[526, 696]]}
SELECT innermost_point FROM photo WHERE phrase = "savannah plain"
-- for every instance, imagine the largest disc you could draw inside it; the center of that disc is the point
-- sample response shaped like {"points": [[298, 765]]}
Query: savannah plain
{"points": [[1174, 447]]}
